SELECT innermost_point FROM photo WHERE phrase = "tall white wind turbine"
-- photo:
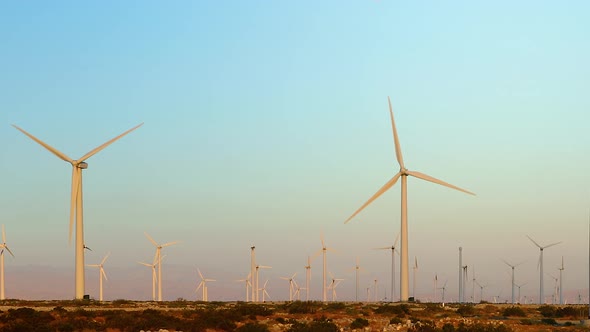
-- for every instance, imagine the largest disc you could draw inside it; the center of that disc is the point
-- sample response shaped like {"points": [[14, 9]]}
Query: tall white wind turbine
{"points": [[253, 274], [248, 285], [291, 285], [76, 203], [540, 266], [324, 250], [561, 281], [403, 173], [512, 283], [159, 259], [154, 275], [307, 277], [393, 251], [101, 274], [203, 285], [3, 246], [258, 267]]}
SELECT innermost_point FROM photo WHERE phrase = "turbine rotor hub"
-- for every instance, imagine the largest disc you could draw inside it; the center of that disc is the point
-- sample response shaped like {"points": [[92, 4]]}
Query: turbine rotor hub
{"points": [[404, 171], [82, 165]]}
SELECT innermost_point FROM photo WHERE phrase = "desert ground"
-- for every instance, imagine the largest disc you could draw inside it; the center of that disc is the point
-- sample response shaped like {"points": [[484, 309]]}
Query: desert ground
{"points": [[182, 315]]}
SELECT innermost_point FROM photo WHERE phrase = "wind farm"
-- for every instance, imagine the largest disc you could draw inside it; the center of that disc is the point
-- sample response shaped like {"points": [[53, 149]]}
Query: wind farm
{"points": [[235, 135]]}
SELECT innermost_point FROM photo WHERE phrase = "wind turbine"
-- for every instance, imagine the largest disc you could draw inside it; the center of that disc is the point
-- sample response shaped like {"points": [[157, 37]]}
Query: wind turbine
{"points": [[540, 264], [203, 285], [159, 259], [291, 285], [513, 284], [393, 250], [324, 250], [375, 291], [443, 288], [403, 173], [253, 274], [307, 277], [561, 282], [357, 269], [333, 284], [481, 287], [154, 276], [517, 285], [555, 290], [248, 285], [465, 275], [369, 293], [264, 292], [257, 274], [3, 246], [415, 268], [76, 203], [435, 284], [100, 274]]}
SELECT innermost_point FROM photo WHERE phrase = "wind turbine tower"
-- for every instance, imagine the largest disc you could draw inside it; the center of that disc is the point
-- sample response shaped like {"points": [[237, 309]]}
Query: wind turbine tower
{"points": [[414, 283], [101, 274], [512, 283], [3, 246], [460, 274], [307, 277], [76, 203], [159, 258], [561, 282], [541, 248], [393, 251], [253, 275], [403, 173]]}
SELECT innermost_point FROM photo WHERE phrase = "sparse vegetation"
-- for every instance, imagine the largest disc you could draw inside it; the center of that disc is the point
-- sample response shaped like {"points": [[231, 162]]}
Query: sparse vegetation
{"points": [[514, 311], [359, 323]]}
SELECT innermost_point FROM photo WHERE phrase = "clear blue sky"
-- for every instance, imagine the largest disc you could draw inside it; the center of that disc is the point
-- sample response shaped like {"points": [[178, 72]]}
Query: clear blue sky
{"points": [[267, 122]]}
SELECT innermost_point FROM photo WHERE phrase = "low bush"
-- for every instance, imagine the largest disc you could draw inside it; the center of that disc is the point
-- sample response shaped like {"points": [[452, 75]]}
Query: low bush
{"points": [[514, 312], [359, 323]]}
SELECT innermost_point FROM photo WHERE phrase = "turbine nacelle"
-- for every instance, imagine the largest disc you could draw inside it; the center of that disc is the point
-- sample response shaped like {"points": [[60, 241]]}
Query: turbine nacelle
{"points": [[81, 165]]}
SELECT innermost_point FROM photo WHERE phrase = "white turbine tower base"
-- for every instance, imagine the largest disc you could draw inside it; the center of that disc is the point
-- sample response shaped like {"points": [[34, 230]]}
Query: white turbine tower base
{"points": [[3, 246], [76, 202], [403, 173]]}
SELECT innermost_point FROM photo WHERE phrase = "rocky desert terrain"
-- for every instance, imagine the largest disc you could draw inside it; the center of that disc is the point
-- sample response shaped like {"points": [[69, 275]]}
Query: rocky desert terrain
{"points": [[181, 315]]}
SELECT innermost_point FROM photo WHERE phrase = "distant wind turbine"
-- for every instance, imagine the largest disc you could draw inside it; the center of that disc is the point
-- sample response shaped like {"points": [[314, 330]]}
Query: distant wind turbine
{"points": [[333, 284], [3, 246], [517, 285], [264, 292], [203, 285], [357, 269], [415, 268], [512, 283], [258, 267], [443, 288], [540, 264], [323, 251], [561, 282], [393, 251], [154, 275], [403, 173], [159, 259], [101, 274], [291, 285], [76, 200], [248, 285], [307, 278], [254, 285]]}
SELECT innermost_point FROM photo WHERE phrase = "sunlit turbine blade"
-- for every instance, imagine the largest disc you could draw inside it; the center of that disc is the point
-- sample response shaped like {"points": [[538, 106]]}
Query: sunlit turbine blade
{"points": [[534, 241], [146, 264], [150, 238], [92, 265], [170, 243], [437, 181], [73, 200], [381, 248], [322, 238], [210, 280], [105, 258], [398, 149], [383, 189], [96, 150], [551, 245], [199, 287], [396, 240], [200, 274], [264, 267], [3, 234], [53, 150], [104, 274]]}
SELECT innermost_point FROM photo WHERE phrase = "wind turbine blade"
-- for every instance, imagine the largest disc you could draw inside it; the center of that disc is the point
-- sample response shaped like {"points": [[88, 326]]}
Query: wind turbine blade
{"points": [[381, 248], [105, 258], [322, 238], [53, 150], [92, 265], [264, 267], [8, 249], [170, 243], [103, 274], [396, 240], [533, 241], [150, 238], [97, 149], [398, 149], [146, 264], [539, 262], [383, 189], [3, 234], [551, 245], [199, 287], [73, 200], [437, 181], [200, 274], [506, 263]]}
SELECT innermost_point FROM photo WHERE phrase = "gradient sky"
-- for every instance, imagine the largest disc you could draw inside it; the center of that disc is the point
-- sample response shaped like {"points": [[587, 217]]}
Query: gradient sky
{"points": [[266, 123]]}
